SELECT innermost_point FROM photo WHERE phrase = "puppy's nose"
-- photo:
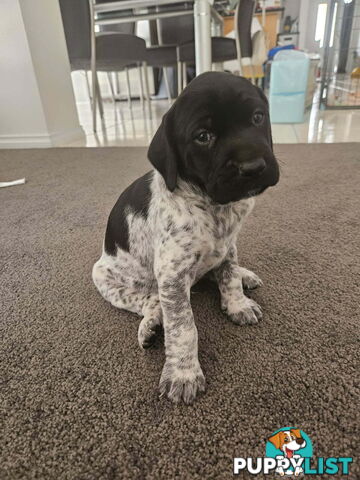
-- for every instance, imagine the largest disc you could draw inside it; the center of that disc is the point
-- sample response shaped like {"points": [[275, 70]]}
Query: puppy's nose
{"points": [[299, 441], [252, 167]]}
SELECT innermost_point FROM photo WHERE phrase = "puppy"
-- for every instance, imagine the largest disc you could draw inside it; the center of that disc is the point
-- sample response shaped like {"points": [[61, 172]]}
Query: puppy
{"points": [[212, 154], [288, 442]]}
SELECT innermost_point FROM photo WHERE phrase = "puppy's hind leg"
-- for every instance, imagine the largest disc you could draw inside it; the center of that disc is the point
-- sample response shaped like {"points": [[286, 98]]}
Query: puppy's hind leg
{"points": [[138, 296], [151, 322], [250, 280], [230, 278], [117, 289]]}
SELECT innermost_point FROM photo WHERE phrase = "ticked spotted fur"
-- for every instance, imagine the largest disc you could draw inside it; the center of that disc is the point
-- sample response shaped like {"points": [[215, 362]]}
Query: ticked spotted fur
{"points": [[181, 222]]}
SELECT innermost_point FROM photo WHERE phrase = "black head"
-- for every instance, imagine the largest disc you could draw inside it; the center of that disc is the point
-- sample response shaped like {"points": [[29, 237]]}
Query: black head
{"points": [[217, 136]]}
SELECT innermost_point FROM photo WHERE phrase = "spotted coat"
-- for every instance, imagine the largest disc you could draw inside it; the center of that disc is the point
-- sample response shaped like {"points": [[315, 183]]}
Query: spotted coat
{"points": [[182, 237]]}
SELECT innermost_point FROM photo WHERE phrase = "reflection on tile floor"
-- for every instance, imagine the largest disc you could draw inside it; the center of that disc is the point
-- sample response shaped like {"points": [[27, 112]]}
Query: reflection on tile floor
{"points": [[122, 125], [125, 126]]}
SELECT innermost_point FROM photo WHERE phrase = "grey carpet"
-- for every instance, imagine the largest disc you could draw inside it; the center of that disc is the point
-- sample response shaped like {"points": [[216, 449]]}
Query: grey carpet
{"points": [[79, 399]]}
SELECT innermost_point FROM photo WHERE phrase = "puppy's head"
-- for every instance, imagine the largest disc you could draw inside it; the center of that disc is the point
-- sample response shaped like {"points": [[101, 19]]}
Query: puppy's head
{"points": [[288, 441], [217, 136]]}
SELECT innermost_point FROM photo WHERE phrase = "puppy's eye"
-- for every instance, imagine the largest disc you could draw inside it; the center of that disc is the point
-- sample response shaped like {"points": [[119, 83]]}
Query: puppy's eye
{"points": [[258, 118], [286, 440], [204, 137]]}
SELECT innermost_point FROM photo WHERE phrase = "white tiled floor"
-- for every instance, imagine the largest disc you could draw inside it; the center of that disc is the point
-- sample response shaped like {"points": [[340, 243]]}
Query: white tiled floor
{"points": [[123, 126]]}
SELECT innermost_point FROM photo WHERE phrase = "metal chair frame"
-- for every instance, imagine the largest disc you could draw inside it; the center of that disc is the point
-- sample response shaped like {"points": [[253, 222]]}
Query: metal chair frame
{"points": [[96, 94]]}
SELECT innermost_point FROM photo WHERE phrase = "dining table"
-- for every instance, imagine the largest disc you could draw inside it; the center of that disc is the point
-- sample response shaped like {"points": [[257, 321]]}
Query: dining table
{"points": [[142, 10], [124, 11]]}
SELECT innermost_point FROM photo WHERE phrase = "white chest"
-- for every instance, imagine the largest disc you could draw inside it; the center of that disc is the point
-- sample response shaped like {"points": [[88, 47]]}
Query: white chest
{"points": [[213, 237], [188, 225]]}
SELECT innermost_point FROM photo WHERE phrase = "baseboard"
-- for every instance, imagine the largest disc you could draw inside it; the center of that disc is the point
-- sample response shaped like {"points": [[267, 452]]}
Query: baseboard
{"points": [[62, 138], [43, 140]]}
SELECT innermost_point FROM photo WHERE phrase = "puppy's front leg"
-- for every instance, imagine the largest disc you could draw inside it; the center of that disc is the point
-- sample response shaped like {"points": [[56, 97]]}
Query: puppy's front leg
{"points": [[229, 276], [182, 377]]}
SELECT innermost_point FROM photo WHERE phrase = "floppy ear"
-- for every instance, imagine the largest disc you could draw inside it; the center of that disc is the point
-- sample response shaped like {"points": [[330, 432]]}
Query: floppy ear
{"points": [[276, 439], [162, 151], [296, 432]]}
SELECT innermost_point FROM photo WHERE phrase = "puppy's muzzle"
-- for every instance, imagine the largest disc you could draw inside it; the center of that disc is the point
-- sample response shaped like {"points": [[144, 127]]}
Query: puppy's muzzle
{"points": [[249, 168], [252, 168]]}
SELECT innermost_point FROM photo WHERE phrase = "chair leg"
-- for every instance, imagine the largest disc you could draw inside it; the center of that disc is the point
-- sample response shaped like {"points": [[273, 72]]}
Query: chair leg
{"points": [[117, 83], [141, 86], [184, 76], [88, 86], [99, 98], [146, 77], [179, 77], [253, 76], [111, 85], [128, 87], [167, 84], [94, 97]]}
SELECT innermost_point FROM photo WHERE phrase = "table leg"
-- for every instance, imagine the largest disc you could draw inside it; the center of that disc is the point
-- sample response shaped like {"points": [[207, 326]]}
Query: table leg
{"points": [[202, 24], [94, 85]]}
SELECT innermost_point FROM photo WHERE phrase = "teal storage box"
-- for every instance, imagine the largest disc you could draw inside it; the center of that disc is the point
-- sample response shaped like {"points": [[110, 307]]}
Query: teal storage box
{"points": [[288, 83]]}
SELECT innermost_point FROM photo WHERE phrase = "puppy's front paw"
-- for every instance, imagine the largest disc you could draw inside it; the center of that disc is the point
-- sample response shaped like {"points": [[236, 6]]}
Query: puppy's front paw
{"points": [[246, 312], [181, 383], [250, 280]]}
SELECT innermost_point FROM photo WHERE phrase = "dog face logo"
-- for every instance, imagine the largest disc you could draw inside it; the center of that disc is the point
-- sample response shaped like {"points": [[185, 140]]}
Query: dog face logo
{"points": [[289, 446], [288, 441], [289, 452]]}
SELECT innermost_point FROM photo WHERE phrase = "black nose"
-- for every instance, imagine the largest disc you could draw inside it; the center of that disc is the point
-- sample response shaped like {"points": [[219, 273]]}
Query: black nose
{"points": [[253, 167], [299, 441]]}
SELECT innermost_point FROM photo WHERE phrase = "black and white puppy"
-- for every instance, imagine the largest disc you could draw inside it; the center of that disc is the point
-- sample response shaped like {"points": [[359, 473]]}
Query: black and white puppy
{"points": [[212, 155]]}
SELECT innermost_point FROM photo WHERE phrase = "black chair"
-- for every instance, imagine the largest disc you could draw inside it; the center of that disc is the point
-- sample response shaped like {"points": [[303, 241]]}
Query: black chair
{"points": [[115, 51], [162, 57], [249, 51], [222, 50], [171, 32], [128, 28], [179, 31], [244, 14]]}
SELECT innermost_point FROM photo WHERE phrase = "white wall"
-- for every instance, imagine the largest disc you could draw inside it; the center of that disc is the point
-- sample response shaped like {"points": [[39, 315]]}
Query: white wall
{"points": [[292, 8], [306, 24], [36, 95]]}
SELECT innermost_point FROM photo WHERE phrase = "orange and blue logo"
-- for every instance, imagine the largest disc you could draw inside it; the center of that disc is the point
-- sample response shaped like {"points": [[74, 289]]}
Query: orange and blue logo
{"points": [[289, 452], [290, 447]]}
